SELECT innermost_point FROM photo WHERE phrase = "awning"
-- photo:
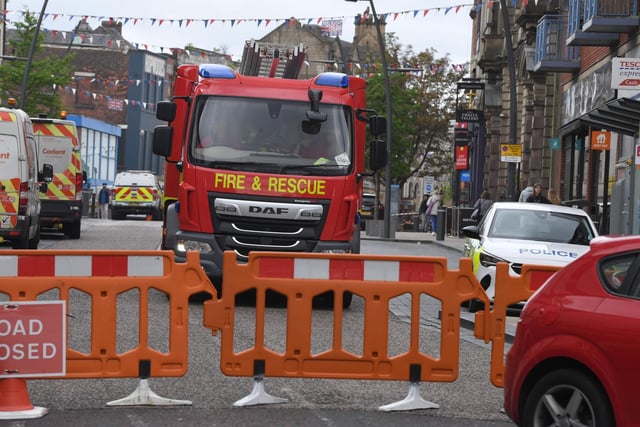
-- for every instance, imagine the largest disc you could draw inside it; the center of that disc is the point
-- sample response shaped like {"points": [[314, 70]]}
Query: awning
{"points": [[620, 115]]}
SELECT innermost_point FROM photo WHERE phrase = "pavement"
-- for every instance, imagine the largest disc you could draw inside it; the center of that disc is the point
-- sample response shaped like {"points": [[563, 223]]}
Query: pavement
{"points": [[450, 242]]}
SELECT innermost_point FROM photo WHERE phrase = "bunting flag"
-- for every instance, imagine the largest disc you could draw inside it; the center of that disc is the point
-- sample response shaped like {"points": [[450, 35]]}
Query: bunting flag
{"points": [[232, 22]]}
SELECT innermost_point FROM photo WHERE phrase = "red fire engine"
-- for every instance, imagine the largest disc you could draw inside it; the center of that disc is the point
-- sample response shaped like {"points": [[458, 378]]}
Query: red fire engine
{"points": [[264, 163]]}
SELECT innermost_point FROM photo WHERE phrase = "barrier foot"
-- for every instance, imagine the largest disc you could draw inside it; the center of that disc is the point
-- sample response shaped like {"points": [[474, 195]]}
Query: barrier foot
{"points": [[144, 396], [258, 396], [15, 403], [411, 402]]}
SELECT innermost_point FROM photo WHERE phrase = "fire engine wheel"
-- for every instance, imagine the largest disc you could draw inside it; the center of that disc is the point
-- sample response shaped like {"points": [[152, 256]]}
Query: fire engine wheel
{"points": [[72, 230]]}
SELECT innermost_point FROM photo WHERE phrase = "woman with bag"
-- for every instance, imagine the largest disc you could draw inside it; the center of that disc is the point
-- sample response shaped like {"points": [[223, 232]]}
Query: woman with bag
{"points": [[481, 206], [433, 204]]}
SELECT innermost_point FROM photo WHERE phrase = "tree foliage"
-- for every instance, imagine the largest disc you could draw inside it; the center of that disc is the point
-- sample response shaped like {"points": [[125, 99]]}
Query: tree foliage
{"points": [[423, 102], [47, 72]]}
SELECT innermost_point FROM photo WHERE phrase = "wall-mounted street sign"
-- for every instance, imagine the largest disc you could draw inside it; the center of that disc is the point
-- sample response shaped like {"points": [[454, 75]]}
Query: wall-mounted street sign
{"points": [[511, 153], [462, 137], [462, 158], [600, 140], [625, 73], [470, 85], [554, 143], [473, 116]]}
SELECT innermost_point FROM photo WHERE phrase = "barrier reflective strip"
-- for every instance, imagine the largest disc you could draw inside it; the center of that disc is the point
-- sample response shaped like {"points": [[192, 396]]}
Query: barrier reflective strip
{"points": [[80, 266], [377, 280], [99, 278], [367, 270], [9, 266]]}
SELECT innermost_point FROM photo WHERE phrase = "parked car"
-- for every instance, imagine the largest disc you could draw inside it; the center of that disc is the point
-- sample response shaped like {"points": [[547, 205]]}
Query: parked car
{"points": [[574, 360], [136, 192], [525, 233]]}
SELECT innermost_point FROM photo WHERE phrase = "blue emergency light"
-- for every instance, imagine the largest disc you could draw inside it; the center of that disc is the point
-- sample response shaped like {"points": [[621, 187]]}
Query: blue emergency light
{"points": [[332, 79], [216, 71]]}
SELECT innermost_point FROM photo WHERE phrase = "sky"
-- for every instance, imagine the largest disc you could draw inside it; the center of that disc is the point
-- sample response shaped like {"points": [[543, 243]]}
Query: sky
{"points": [[158, 25]]}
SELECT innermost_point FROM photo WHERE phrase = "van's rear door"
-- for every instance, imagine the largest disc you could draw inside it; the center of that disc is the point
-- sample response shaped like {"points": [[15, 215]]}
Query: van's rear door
{"points": [[10, 164]]}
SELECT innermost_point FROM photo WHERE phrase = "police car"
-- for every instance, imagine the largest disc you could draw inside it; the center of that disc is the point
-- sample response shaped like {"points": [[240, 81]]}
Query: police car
{"points": [[525, 233]]}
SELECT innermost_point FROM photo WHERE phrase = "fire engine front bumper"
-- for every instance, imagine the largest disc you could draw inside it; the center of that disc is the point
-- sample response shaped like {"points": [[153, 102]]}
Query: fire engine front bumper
{"points": [[211, 250]]}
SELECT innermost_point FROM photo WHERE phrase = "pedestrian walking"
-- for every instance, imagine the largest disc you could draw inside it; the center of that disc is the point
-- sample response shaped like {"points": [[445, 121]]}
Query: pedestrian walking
{"points": [[526, 192], [423, 213], [103, 201], [434, 202], [553, 197], [537, 196], [481, 206]]}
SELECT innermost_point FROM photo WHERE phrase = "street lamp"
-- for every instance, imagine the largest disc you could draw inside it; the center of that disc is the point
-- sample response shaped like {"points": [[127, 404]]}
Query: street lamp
{"points": [[387, 89], [32, 49], [513, 107]]}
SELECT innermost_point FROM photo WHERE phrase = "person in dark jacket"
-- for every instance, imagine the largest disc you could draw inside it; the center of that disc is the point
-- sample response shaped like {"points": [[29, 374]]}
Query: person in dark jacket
{"points": [[424, 221], [103, 201], [481, 206], [537, 196]]}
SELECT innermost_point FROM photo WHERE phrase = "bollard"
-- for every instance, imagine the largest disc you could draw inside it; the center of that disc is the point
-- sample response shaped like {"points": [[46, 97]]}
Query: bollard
{"points": [[440, 223]]}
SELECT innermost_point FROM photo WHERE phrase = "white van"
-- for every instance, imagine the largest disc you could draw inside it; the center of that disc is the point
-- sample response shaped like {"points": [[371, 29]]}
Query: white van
{"points": [[58, 145], [19, 187]]}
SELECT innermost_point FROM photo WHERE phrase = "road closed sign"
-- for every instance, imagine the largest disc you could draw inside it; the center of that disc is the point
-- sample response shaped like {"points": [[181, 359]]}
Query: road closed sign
{"points": [[32, 339]]}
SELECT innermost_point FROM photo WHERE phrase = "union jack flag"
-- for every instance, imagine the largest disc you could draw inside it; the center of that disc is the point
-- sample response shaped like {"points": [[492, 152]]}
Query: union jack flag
{"points": [[115, 104], [331, 27]]}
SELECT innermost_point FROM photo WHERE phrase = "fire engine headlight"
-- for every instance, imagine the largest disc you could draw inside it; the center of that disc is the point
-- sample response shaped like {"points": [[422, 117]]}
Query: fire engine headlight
{"points": [[488, 260], [193, 245]]}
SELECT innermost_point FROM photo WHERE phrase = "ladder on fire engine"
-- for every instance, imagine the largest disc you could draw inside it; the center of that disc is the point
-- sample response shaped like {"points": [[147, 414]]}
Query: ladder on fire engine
{"points": [[260, 59]]}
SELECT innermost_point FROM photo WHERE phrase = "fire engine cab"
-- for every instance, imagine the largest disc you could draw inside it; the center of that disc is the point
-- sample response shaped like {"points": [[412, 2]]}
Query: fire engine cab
{"points": [[259, 162]]}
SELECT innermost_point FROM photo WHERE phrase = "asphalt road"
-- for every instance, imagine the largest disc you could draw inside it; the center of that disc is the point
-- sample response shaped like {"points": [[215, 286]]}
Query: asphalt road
{"points": [[469, 401]]}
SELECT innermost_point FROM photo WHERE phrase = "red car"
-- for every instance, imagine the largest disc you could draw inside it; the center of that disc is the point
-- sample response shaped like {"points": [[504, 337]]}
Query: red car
{"points": [[575, 359]]}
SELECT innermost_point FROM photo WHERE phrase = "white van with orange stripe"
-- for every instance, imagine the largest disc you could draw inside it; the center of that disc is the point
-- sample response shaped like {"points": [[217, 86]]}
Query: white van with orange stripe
{"points": [[136, 192], [58, 145], [19, 188]]}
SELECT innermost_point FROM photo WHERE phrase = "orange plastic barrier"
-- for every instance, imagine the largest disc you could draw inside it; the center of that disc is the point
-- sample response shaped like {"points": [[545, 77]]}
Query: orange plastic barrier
{"points": [[377, 280], [509, 290], [102, 276]]}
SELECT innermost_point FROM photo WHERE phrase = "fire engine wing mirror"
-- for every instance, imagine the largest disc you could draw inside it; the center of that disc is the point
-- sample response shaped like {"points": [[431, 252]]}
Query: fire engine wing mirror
{"points": [[162, 139], [314, 114], [377, 154], [377, 125], [166, 110]]}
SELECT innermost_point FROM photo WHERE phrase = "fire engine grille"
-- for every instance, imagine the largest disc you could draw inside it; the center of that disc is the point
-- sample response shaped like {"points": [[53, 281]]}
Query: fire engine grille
{"points": [[243, 225]]}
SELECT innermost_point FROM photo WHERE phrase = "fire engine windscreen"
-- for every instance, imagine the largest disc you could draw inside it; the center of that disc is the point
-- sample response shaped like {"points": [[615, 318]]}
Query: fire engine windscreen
{"points": [[229, 131]]}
